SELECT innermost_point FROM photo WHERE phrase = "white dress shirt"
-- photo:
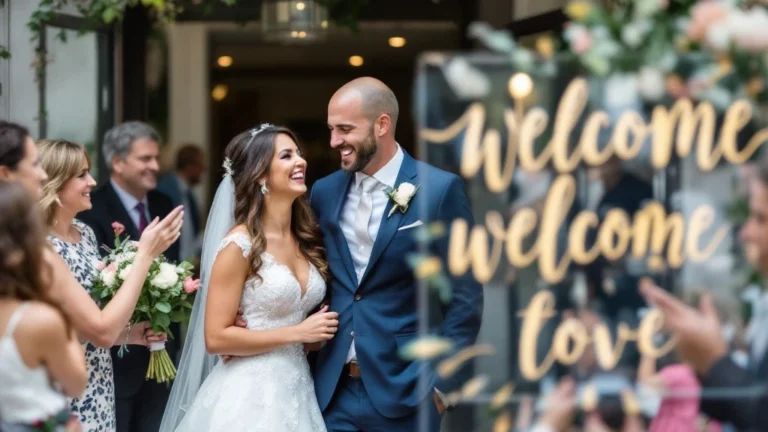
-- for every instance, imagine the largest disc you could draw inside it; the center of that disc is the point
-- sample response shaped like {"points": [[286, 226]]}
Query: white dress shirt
{"points": [[386, 176]]}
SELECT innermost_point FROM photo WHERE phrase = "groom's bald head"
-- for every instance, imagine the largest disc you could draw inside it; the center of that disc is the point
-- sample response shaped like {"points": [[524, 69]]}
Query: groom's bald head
{"points": [[375, 98]]}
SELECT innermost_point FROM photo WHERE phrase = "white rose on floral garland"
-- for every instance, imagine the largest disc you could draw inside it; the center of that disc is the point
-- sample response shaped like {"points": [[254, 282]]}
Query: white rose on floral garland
{"points": [[125, 272], [635, 32], [166, 277], [651, 83]]}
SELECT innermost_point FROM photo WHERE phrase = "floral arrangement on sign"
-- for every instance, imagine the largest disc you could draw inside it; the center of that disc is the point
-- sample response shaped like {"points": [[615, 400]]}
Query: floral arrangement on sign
{"points": [[166, 297], [712, 50]]}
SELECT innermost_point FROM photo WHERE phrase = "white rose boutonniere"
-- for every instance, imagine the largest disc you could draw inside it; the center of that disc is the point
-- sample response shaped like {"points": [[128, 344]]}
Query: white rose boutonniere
{"points": [[401, 196]]}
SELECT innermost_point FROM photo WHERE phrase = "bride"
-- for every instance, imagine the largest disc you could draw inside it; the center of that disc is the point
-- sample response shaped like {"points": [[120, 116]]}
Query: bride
{"points": [[262, 255]]}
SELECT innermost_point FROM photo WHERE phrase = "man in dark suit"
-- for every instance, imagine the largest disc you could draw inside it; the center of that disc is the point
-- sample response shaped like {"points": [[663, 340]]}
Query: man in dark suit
{"points": [[360, 377], [131, 151]]}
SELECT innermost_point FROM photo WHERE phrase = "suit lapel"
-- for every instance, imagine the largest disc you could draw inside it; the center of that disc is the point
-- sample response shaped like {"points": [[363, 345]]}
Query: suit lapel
{"points": [[120, 213], [338, 234], [389, 225]]}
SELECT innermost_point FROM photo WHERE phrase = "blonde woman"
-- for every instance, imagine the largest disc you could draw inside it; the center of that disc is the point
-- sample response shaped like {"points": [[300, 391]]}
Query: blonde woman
{"points": [[65, 194]]}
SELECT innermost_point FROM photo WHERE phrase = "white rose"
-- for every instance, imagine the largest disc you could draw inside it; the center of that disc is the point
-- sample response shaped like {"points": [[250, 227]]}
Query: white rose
{"points": [[466, 81], [125, 272], [651, 83], [718, 36], [403, 194], [127, 256], [166, 277], [108, 277]]}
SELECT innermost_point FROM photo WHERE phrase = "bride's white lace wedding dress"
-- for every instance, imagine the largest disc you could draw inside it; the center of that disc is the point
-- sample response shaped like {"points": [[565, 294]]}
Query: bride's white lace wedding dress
{"points": [[271, 392]]}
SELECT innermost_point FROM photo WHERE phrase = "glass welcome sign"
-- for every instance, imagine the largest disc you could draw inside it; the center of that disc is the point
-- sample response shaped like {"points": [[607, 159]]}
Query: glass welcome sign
{"points": [[593, 164]]}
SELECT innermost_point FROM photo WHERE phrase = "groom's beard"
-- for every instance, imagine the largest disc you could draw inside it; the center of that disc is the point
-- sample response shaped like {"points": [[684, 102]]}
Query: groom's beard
{"points": [[365, 151]]}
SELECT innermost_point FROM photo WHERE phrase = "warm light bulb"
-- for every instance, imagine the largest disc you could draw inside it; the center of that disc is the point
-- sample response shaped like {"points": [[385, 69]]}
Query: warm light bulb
{"points": [[300, 5], [324, 24], [356, 61], [224, 61], [520, 85], [302, 34], [219, 92], [397, 42]]}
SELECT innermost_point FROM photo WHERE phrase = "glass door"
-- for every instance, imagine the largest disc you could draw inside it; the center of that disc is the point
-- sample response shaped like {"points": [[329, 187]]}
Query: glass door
{"points": [[77, 85]]}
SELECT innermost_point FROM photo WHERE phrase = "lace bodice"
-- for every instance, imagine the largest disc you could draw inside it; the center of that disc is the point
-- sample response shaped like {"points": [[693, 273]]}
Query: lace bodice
{"points": [[275, 300], [269, 392]]}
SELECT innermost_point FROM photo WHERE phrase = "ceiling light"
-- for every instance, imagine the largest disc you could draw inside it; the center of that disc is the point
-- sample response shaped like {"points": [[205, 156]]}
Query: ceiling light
{"points": [[219, 92], [356, 61], [291, 21], [397, 42], [224, 61]]}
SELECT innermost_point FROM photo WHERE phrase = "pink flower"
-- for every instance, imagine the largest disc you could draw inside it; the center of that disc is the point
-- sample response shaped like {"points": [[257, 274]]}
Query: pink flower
{"points": [[112, 267], [703, 15], [582, 42], [99, 265], [191, 285], [664, 4], [118, 228]]}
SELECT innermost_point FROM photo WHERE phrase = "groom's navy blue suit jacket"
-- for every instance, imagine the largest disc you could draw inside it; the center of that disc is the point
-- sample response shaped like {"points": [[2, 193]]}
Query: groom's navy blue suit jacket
{"points": [[382, 312]]}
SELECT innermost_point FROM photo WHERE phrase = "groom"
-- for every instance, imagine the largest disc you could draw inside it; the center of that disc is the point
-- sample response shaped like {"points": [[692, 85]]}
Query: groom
{"points": [[362, 383]]}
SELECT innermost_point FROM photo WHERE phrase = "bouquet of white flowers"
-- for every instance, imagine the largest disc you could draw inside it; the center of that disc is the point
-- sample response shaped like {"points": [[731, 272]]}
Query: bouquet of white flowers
{"points": [[166, 296]]}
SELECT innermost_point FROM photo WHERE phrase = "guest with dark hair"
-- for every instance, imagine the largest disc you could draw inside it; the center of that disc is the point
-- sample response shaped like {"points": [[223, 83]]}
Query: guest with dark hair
{"points": [[178, 185], [39, 350]]}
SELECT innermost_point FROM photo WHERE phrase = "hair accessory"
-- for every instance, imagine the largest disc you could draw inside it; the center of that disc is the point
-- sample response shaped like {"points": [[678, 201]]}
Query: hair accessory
{"points": [[255, 131], [227, 167]]}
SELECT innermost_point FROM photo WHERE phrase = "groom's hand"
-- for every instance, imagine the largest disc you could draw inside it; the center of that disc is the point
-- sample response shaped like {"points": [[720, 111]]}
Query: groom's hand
{"points": [[309, 347], [239, 322]]}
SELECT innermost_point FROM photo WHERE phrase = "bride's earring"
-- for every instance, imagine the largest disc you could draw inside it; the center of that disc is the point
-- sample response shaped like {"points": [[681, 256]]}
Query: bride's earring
{"points": [[264, 189]]}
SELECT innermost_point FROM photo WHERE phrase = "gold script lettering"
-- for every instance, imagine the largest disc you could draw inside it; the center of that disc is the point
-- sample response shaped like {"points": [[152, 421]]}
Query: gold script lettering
{"points": [[571, 338], [650, 233]]}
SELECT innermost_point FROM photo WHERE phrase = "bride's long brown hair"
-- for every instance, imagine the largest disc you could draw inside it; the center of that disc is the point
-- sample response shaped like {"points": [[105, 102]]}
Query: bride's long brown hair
{"points": [[250, 159]]}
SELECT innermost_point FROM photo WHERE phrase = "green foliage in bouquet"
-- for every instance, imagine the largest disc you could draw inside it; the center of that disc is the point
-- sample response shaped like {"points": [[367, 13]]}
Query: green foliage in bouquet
{"points": [[166, 297]]}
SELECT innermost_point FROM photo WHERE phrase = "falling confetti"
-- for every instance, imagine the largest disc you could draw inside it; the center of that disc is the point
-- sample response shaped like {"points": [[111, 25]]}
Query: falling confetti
{"points": [[454, 398], [426, 347], [503, 423], [502, 395], [449, 366], [474, 386], [428, 267]]}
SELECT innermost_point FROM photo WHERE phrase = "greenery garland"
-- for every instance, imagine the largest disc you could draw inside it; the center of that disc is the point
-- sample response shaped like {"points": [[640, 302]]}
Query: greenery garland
{"points": [[96, 13]]}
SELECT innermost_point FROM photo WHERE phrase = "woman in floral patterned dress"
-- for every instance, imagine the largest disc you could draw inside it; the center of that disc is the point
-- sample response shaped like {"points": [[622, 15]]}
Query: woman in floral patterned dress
{"points": [[66, 193]]}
